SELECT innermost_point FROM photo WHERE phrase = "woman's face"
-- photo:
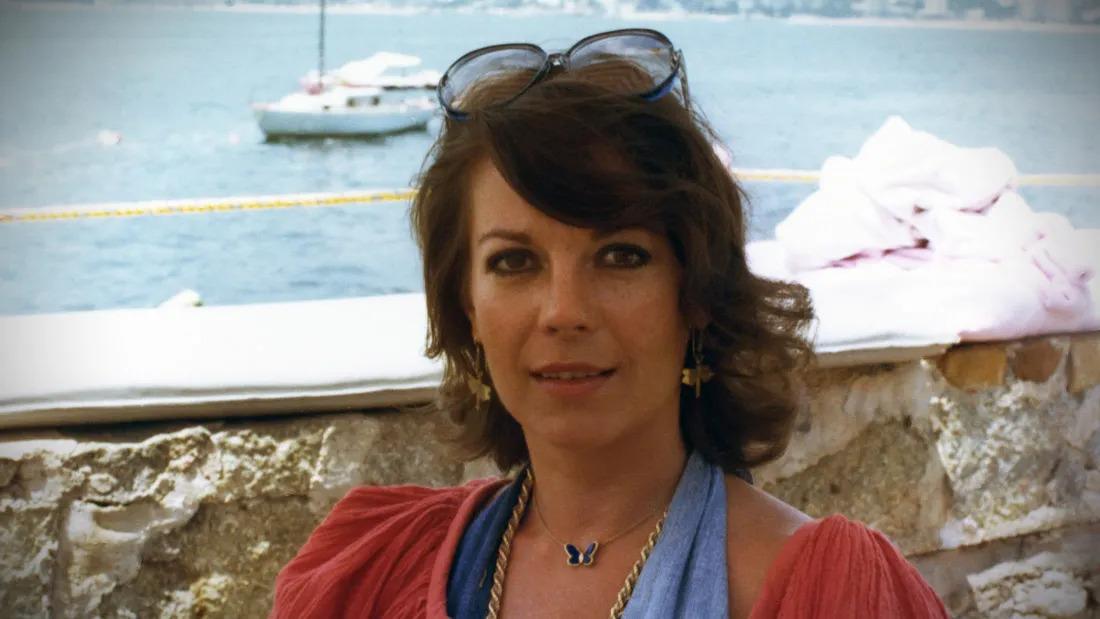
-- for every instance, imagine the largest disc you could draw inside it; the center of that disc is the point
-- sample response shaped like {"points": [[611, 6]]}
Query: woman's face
{"points": [[582, 332]]}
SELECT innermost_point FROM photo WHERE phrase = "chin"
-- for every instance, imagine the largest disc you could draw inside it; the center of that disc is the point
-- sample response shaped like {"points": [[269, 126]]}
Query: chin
{"points": [[577, 427]]}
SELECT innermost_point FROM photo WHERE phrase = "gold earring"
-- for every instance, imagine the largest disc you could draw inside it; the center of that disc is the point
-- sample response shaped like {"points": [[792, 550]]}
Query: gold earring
{"points": [[701, 373], [478, 388]]}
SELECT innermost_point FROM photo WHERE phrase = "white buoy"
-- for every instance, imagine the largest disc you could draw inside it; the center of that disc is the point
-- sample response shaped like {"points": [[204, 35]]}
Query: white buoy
{"points": [[107, 137], [183, 298]]}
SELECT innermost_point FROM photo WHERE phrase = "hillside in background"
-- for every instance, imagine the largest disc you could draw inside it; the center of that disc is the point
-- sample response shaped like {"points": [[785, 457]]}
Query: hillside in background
{"points": [[1052, 11]]}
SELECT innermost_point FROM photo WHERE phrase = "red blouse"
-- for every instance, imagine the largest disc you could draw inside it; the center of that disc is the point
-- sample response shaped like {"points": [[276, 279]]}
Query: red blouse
{"points": [[387, 551]]}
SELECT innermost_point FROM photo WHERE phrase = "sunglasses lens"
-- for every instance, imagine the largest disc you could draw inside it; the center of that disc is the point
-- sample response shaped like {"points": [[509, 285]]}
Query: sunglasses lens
{"points": [[492, 77], [635, 63]]}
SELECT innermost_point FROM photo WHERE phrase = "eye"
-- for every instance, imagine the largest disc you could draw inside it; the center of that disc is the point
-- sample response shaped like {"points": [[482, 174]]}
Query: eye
{"points": [[510, 261], [624, 256]]}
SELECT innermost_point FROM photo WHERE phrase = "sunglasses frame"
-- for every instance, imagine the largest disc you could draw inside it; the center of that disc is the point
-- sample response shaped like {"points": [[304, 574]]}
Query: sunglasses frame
{"points": [[561, 60]]}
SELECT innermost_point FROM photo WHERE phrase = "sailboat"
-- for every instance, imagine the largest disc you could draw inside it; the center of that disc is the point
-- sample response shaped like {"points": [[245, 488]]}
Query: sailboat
{"points": [[384, 93]]}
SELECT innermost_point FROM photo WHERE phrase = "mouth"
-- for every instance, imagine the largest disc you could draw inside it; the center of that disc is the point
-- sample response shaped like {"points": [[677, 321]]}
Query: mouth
{"points": [[571, 376], [572, 382]]}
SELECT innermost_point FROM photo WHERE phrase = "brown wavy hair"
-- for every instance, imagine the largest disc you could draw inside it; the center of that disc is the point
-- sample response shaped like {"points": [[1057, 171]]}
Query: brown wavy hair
{"points": [[580, 151]]}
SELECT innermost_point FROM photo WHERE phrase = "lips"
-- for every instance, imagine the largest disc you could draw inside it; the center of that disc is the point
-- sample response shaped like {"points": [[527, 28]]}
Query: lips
{"points": [[567, 375], [569, 371], [571, 380]]}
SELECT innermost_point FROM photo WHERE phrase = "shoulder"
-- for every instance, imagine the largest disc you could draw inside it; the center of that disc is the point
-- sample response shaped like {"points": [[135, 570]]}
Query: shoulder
{"points": [[759, 527], [369, 534], [836, 567], [366, 513]]}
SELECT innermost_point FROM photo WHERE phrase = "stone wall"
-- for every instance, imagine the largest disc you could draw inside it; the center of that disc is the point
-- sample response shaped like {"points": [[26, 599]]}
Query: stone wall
{"points": [[185, 519], [982, 464]]}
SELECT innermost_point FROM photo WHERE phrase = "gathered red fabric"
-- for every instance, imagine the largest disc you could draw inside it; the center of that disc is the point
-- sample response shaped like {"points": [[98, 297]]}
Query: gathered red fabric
{"points": [[836, 567], [387, 551], [375, 554]]}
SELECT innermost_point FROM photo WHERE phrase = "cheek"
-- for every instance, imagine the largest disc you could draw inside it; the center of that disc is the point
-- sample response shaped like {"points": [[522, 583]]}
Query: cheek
{"points": [[482, 304], [668, 335], [649, 322], [486, 307], [499, 324]]}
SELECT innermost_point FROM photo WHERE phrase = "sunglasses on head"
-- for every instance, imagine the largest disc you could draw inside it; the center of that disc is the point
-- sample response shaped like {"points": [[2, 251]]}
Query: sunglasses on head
{"points": [[495, 76]]}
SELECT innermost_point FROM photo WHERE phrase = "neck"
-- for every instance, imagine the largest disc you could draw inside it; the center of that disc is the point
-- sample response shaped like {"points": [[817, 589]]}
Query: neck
{"points": [[592, 494]]}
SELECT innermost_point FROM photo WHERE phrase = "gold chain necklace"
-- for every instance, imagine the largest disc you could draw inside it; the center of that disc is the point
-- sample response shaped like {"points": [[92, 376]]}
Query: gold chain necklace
{"points": [[505, 550]]}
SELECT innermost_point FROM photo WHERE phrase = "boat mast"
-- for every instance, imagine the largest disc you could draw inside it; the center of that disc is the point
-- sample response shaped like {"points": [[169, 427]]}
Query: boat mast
{"points": [[321, 49]]}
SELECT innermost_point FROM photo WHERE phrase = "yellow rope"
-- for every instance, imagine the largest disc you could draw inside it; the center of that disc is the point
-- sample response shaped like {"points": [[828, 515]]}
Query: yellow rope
{"points": [[760, 175], [180, 208], [1061, 180]]}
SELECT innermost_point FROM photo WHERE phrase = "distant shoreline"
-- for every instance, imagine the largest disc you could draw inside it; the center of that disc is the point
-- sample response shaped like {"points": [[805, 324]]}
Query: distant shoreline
{"points": [[236, 7], [947, 24], [364, 9]]}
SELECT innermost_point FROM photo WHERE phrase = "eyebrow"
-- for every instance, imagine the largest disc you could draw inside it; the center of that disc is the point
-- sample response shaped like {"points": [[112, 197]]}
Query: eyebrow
{"points": [[507, 235], [524, 238]]}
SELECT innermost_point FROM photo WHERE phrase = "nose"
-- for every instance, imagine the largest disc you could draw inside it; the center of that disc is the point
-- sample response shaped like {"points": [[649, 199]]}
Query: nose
{"points": [[566, 302]]}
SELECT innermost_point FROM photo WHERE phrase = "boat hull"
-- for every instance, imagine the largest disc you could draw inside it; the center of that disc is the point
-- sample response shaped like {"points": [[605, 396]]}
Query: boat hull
{"points": [[339, 123]]}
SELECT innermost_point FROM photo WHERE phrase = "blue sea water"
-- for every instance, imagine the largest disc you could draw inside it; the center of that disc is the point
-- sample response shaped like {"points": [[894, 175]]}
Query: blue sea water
{"points": [[176, 85]]}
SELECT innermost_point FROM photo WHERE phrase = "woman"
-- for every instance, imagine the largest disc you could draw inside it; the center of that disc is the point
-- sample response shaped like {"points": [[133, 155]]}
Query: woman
{"points": [[603, 337]]}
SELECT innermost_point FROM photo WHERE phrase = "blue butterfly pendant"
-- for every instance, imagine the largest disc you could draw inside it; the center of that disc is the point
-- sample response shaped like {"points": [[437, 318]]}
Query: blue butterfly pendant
{"points": [[578, 558]]}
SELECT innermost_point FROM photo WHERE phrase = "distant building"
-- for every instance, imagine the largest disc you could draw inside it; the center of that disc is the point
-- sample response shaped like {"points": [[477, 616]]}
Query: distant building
{"points": [[1046, 10], [888, 8], [934, 8], [871, 8]]}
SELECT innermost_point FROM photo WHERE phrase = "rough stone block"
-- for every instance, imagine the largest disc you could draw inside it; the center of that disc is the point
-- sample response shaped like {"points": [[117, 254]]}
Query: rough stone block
{"points": [[480, 469], [949, 571], [888, 477], [1011, 469], [222, 563], [844, 402], [1084, 363], [186, 520], [1083, 430], [1045, 585], [28, 555], [1036, 360], [974, 366], [265, 458], [8, 469], [378, 450], [1092, 446], [146, 469]]}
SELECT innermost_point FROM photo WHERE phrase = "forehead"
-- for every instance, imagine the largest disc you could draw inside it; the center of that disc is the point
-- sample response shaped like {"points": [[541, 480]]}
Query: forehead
{"points": [[493, 202]]}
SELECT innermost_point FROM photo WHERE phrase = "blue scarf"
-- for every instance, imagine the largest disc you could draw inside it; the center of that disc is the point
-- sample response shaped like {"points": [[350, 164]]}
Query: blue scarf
{"points": [[685, 575]]}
